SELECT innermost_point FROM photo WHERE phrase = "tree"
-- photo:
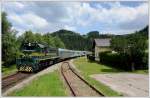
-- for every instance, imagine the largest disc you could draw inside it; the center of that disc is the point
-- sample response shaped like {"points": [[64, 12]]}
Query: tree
{"points": [[133, 46], [71, 40], [58, 42], [10, 48], [93, 34], [6, 25], [48, 39], [136, 50], [28, 36], [119, 44]]}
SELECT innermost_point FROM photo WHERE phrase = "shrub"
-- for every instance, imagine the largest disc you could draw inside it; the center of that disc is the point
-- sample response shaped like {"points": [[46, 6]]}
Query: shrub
{"points": [[123, 61], [145, 61], [90, 57]]}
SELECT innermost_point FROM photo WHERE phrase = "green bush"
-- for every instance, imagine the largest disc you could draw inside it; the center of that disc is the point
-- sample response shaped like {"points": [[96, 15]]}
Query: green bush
{"points": [[145, 61], [90, 57], [122, 61]]}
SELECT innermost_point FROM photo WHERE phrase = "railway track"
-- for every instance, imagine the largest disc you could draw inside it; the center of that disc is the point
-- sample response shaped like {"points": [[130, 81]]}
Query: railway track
{"points": [[13, 79], [78, 86]]}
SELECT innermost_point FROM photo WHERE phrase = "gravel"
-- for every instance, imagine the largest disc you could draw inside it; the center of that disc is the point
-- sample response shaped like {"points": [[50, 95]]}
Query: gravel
{"points": [[79, 87]]}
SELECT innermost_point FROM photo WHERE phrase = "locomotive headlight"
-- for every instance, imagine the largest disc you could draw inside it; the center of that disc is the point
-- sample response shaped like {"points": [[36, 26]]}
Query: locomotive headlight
{"points": [[29, 44]]}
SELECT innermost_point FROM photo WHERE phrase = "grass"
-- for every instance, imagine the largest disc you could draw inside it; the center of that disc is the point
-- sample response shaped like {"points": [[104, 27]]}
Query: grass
{"points": [[89, 68], [92, 67], [46, 85], [140, 71], [8, 70]]}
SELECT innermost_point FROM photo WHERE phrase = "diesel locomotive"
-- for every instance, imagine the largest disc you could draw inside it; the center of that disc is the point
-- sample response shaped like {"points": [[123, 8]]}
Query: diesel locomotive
{"points": [[36, 56]]}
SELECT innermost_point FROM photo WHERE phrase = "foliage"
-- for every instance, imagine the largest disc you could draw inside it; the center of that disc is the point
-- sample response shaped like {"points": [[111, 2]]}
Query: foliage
{"points": [[143, 32], [90, 57], [93, 34], [116, 60], [71, 39], [28, 36], [6, 71], [119, 44], [145, 60], [6, 25], [121, 61], [141, 71], [58, 43], [53, 41], [10, 48], [75, 41], [46, 39], [134, 46]]}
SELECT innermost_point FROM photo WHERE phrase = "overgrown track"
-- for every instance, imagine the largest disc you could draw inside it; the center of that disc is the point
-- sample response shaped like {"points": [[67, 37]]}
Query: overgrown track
{"points": [[78, 86], [13, 79]]}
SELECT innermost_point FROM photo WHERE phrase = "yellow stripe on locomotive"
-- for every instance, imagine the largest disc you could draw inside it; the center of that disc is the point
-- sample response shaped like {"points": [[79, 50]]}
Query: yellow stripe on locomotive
{"points": [[26, 68]]}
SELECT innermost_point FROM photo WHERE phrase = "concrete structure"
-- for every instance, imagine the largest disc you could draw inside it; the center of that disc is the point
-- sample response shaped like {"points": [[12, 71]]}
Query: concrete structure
{"points": [[100, 45], [128, 84]]}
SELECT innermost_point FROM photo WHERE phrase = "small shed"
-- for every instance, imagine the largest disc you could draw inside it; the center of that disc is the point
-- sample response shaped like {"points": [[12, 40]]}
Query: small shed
{"points": [[100, 45]]}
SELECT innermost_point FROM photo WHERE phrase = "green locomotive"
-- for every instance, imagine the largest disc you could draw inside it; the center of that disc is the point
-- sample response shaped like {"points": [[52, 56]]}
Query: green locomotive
{"points": [[36, 57]]}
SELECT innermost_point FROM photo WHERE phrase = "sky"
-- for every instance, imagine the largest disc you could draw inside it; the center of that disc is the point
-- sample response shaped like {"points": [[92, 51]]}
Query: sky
{"points": [[106, 17]]}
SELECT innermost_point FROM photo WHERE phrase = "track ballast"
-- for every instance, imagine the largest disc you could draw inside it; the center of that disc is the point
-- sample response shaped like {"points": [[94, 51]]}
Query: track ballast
{"points": [[78, 86], [13, 79]]}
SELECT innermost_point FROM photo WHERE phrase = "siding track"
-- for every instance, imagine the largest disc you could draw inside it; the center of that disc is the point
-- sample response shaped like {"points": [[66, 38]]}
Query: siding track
{"points": [[78, 86]]}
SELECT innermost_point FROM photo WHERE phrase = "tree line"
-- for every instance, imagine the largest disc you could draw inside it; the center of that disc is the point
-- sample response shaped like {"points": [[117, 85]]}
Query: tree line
{"points": [[75, 41], [59, 39]]}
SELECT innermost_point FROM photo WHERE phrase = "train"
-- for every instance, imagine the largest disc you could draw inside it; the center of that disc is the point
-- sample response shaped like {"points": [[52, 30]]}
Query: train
{"points": [[36, 56]]}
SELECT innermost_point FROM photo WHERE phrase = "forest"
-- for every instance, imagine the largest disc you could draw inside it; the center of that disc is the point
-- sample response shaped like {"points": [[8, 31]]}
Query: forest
{"points": [[60, 39]]}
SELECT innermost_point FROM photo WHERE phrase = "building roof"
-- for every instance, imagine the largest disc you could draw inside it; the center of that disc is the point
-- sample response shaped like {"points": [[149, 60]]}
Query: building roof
{"points": [[102, 42]]}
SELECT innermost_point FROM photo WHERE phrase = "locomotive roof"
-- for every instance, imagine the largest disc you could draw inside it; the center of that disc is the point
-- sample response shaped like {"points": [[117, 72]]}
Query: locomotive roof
{"points": [[60, 49], [41, 46]]}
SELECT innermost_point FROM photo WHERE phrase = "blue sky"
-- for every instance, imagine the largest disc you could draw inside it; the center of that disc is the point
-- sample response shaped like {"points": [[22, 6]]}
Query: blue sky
{"points": [[82, 17]]}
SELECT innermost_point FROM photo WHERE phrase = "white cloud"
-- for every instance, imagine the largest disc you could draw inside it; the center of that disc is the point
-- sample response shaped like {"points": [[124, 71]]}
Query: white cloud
{"points": [[52, 16], [118, 16], [36, 21], [69, 28], [17, 19], [19, 5], [28, 21]]}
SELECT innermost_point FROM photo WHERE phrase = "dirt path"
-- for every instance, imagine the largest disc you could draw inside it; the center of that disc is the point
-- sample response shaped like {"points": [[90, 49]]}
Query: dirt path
{"points": [[79, 87], [128, 84]]}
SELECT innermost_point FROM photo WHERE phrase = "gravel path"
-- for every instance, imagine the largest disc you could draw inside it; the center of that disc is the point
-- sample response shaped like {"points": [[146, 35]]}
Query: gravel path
{"points": [[128, 84], [79, 87], [28, 80]]}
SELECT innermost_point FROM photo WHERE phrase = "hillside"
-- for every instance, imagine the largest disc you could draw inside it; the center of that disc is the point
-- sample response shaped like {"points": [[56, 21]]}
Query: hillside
{"points": [[75, 41], [72, 40]]}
